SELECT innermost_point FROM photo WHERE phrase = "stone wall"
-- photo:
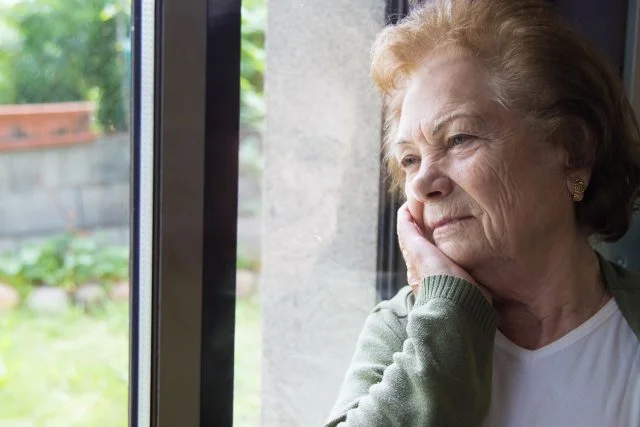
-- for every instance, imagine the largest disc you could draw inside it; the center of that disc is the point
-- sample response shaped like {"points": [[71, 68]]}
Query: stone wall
{"points": [[321, 171], [75, 187]]}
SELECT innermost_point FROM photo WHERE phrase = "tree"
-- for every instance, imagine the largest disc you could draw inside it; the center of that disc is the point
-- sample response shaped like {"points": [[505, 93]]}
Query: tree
{"points": [[67, 50]]}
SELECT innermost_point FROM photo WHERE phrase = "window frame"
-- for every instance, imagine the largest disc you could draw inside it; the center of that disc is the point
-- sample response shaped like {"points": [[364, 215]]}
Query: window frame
{"points": [[186, 96], [391, 269]]}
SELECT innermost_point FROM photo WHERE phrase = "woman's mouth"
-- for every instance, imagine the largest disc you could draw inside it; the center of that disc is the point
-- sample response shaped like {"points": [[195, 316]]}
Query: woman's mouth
{"points": [[445, 222]]}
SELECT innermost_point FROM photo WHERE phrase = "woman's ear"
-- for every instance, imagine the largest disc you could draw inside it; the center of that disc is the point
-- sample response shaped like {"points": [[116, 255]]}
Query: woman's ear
{"points": [[578, 148], [576, 177]]}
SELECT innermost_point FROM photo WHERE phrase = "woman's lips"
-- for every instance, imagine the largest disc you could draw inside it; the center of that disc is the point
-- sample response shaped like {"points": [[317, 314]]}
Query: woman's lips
{"points": [[448, 221]]}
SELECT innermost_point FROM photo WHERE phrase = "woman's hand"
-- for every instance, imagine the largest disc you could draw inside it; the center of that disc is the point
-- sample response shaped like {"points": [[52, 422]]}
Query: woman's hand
{"points": [[423, 258]]}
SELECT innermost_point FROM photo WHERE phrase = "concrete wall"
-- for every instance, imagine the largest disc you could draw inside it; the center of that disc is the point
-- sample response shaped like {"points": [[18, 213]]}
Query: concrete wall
{"points": [[47, 191], [44, 192], [320, 201]]}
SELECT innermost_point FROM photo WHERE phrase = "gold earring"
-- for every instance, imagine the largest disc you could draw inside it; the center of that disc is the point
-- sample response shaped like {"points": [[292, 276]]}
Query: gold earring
{"points": [[578, 189]]}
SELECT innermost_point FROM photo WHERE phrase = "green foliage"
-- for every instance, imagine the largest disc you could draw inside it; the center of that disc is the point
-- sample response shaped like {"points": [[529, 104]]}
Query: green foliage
{"points": [[64, 50], [65, 261], [68, 50], [9, 43], [252, 66]]}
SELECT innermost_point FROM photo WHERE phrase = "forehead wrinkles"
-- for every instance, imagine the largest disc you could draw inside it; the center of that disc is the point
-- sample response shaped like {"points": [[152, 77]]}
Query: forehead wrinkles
{"points": [[448, 81], [425, 128], [425, 107], [419, 133]]}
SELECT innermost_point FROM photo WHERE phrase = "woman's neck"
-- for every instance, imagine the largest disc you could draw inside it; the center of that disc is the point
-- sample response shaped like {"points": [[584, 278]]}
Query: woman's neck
{"points": [[540, 302]]}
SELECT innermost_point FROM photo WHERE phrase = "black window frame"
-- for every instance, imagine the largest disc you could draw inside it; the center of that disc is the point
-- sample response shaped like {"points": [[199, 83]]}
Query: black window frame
{"points": [[391, 269]]}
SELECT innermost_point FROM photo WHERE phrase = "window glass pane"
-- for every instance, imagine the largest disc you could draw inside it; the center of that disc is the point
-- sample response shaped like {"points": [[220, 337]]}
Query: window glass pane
{"points": [[64, 218], [308, 204]]}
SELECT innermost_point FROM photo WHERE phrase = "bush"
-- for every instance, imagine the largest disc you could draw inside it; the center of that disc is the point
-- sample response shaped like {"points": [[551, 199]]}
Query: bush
{"points": [[65, 50], [66, 261], [252, 66]]}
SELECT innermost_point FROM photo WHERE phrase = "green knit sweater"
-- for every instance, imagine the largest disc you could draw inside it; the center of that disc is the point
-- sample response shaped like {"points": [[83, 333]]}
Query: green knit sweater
{"points": [[426, 360]]}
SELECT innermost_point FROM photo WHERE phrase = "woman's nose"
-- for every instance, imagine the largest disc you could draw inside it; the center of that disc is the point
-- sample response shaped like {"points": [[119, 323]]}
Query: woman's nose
{"points": [[430, 184]]}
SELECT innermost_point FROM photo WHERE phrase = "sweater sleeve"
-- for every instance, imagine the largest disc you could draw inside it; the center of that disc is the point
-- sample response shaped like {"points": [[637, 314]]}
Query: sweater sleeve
{"points": [[437, 372]]}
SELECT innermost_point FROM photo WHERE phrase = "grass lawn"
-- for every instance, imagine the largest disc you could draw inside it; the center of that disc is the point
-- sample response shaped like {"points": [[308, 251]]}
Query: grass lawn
{"points": [[72, 370]]}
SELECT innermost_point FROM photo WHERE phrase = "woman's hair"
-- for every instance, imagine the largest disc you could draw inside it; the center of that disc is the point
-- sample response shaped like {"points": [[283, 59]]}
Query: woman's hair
{"points": [[544, 70]]}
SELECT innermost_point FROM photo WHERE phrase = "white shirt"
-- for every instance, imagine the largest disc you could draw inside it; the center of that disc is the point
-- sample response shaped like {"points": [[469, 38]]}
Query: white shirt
{"points": [[588, 378]]}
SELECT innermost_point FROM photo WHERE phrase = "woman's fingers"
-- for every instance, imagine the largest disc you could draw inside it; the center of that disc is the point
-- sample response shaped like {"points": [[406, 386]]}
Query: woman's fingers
{"points": [[413, 243], [406, 223], [409, 233]]}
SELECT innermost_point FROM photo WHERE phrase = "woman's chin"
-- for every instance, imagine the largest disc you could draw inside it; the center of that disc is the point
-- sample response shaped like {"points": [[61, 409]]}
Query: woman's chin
{"points": [[462, 242], [462, 253]]}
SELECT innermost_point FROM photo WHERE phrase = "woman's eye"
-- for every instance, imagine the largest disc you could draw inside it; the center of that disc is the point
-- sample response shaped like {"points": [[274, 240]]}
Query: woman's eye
{"points": [[459, 139], [409, 161]]}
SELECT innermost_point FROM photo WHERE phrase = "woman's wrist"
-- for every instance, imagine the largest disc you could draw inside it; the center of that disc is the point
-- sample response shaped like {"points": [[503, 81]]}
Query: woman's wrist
{"points": [[469, 297]]}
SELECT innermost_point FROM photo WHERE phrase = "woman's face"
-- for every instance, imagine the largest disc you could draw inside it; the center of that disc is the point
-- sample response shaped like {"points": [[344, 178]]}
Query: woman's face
{"points": [[478, 181]]}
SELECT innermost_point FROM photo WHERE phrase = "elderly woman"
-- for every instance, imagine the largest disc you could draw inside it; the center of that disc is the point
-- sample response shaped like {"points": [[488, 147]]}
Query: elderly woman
{"points": [[514, 145]]}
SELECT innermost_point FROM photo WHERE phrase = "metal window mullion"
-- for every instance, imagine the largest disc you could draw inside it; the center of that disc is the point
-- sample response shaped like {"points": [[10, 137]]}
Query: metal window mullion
{"points": [[180, 78], [142, 202], [391, 268]]}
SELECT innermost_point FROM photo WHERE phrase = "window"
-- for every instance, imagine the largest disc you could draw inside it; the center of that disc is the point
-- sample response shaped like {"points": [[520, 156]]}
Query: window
{"points": [[237, 168]]}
